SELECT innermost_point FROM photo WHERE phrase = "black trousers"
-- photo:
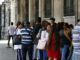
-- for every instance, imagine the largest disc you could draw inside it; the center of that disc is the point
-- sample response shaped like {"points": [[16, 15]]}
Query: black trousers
{"points": [[9, 37], [27, 49]]}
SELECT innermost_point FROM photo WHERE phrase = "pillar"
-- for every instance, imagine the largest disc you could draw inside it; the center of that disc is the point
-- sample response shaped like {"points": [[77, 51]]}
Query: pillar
{"points": [[76, 4], [7, 7], [78, 8], [58, 10], [52, 8], [2, 21], [32, 10], [13, 12], [41, 8]]}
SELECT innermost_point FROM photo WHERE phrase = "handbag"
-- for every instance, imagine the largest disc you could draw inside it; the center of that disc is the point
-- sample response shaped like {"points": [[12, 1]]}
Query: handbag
{"points": [[41, 44], [16, 40]]}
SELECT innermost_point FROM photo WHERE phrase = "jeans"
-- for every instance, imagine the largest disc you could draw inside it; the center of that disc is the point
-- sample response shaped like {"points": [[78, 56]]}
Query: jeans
{"points": [[64, 52], [36, 54], [9, 37], [25, 49], [41, 54], [70, 54], [44, 54], [19, 54]]}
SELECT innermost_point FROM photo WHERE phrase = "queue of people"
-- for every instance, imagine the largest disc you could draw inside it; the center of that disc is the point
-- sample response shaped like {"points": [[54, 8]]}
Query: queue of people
{"points": [[56, 39]]}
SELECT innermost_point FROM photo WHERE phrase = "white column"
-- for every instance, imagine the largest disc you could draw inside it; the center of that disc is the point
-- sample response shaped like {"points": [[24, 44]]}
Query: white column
{"points": [[52, 8], [2, 16], [40, 8], [16, 11], [43, 9], [77, 9], [2, 21], [6, 19], [58, 10], [13, 12], [31, 10]]}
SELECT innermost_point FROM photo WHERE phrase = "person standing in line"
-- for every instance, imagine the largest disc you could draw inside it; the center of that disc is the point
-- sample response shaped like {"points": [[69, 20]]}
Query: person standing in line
{"points": [[18, 46], [36, 29], [11, 30], [53, 24], [65, 41], [39, 36], [76, 41], [53, 45], [44, 37], [27, 41], [71, 45]]}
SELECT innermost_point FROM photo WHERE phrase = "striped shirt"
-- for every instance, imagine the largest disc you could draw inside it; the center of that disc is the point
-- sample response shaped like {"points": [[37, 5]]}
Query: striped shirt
{"points": [[27, 35], [76, 38]]}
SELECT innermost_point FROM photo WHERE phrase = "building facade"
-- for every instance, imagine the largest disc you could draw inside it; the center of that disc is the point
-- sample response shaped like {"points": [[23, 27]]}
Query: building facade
{"points": [[61, 10]]}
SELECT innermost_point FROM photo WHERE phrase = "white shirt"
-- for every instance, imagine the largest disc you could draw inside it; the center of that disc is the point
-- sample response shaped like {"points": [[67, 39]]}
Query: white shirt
{"points": [[11, 30], [44, 36], [76, 39], [18, 31]]}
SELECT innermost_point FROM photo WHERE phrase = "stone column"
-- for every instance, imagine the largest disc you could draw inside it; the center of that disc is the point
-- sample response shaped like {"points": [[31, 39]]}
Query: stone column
{"points": [[58, 10], [32, 10], [77, 9], [52, 8], [7, 7], [2, 20], [16, 11], [41, 8], [13, 14]]}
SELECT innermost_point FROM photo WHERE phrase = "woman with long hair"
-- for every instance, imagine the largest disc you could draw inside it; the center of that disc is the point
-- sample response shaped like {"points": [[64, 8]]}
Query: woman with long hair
{"points": [[18, 46], [65, 40], [53, 45]]}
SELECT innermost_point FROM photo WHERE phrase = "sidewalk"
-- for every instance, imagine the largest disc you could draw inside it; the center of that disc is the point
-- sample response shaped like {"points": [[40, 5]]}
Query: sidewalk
{"points": [[6, 53], [9, 53]]}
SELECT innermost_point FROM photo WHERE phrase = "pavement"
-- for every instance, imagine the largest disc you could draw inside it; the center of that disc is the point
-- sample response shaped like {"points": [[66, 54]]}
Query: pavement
{"points": [[6, 53], [10, 54]]}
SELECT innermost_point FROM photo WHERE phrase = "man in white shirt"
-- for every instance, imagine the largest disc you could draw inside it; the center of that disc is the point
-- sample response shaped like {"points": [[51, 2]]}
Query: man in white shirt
{"points": [[11, 31]]}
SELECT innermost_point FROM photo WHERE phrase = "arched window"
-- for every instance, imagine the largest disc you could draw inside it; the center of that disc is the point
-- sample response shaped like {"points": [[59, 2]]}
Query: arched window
{"points": [[68, 7]]}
